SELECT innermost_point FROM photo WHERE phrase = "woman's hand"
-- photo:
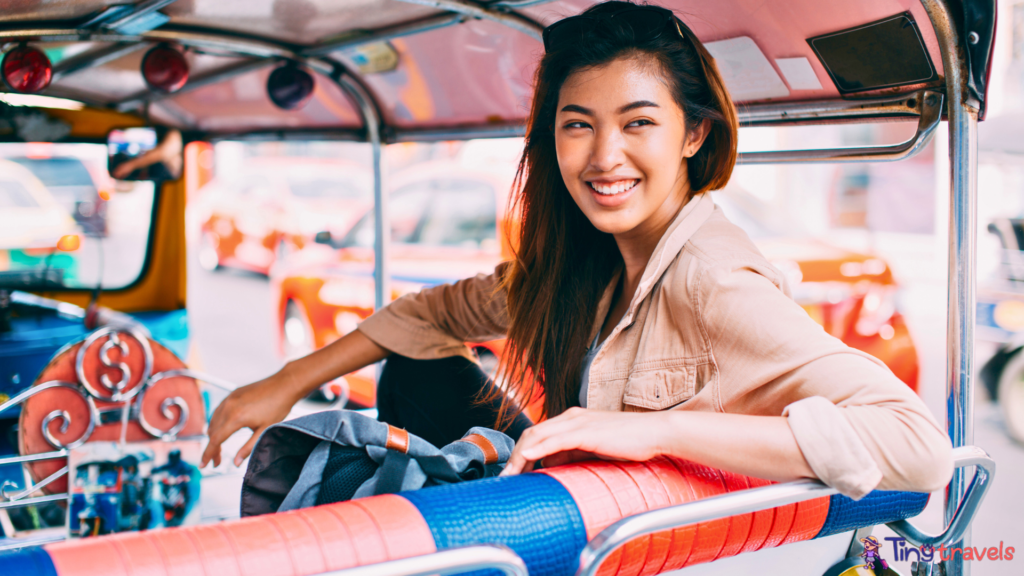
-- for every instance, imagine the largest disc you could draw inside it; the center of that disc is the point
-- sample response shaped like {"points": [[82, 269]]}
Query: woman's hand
{"points": [[580, 434], [268, 401], [256, 407]]}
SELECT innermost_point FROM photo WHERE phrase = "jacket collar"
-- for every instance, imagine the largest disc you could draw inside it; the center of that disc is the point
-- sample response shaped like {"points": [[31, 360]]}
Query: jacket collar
{"points": [[690, 218]]}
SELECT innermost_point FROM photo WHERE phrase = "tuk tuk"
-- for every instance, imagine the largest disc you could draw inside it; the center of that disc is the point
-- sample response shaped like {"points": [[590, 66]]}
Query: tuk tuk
{"points": [[99, 360]]}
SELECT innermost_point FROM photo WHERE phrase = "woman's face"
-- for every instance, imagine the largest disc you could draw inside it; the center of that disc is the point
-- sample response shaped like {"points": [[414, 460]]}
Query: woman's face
{"points": [[622, 146]]}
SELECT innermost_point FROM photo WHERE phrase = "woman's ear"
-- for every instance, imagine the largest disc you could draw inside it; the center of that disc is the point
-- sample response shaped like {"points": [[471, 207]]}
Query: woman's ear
{"points": [[695, 138]]}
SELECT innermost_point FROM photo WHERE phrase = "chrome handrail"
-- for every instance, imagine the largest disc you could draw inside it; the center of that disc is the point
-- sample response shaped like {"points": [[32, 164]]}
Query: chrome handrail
{"points": [[451, 561], [931, 113], [985, 471], [755, 499]]}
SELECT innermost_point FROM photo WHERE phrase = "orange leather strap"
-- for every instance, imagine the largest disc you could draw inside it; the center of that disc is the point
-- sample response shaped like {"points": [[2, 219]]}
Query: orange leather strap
{"points": [[398, 439], [485, 446]]}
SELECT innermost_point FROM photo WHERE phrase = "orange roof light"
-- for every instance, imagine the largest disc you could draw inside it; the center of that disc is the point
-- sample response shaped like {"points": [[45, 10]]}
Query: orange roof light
{"points": [[69, 243]]}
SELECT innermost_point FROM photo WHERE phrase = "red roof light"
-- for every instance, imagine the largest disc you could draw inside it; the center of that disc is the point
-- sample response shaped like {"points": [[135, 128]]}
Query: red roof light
{"points": [[26, 69], [165, 69]]}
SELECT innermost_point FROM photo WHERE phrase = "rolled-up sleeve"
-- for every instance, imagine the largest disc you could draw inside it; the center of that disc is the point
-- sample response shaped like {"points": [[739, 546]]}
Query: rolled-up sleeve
{"points": [[436, 322], [858, 426]]}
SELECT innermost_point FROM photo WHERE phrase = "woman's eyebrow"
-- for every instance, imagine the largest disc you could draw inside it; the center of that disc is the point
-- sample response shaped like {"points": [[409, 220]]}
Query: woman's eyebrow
{"points": [[638, 104], [577, 108], [631, 106]]}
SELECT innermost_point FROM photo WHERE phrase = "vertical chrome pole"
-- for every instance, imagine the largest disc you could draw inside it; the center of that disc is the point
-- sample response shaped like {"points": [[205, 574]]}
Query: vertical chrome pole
{"points": [[382, 236], [963, 163]]}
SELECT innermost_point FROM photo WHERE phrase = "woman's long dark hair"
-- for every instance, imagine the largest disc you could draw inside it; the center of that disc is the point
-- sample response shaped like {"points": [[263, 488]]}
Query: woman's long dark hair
{"points": [[563, 263]]}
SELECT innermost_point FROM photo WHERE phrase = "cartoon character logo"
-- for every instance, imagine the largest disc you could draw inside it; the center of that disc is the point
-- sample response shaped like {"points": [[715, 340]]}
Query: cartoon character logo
{"points": [[872, 559]]}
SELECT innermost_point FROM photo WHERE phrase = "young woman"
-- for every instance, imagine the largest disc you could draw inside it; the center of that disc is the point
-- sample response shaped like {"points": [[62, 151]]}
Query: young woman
{"points": [[651, 323]]}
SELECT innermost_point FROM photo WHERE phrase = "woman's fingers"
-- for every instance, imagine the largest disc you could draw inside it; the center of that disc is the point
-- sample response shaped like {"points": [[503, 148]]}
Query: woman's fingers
{"points": [[567, 457], [245, 450]]}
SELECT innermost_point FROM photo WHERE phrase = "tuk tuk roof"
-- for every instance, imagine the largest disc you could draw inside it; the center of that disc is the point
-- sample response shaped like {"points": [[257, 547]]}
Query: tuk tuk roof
{"points": [[461, 67]]}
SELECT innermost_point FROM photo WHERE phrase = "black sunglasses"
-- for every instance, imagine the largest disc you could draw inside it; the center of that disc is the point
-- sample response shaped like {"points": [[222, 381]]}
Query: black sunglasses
{"points": [[646, 22]]}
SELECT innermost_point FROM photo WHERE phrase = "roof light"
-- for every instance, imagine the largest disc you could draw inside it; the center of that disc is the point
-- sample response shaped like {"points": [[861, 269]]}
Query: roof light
{"points": [[26, 69], [164, 68], [290, 86]]}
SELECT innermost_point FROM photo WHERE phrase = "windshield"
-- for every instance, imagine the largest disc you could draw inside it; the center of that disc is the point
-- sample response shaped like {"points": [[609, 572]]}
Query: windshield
{"points": [[65, 224]]}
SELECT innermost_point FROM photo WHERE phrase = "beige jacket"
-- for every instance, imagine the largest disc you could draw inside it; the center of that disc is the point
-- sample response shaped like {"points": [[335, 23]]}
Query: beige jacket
{"points": [[712, 328]]}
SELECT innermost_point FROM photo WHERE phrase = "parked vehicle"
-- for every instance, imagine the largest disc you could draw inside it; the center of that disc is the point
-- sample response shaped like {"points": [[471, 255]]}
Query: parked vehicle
{"points": [[276, 206], [81, 187], [448, 224]]}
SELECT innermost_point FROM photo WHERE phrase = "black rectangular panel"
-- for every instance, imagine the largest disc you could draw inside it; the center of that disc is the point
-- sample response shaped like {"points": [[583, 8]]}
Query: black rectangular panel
{"points": [[881, 54]]}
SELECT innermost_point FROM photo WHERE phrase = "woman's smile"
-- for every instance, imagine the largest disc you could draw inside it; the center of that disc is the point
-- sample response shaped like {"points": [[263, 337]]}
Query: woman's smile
{"points": [[613, 192]]}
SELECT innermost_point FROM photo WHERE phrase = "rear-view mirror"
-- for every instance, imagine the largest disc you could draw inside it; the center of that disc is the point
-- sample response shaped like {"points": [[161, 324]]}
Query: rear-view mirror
{"points": [[143, 154]]}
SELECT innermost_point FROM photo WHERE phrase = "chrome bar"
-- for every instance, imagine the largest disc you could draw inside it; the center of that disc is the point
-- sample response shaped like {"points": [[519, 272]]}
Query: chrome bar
{"points": [[35, 487], [34, 457], [505, 18], [381, 228], [387, 33], [33, 501], [451, 561], [752, 500], [931, 114], [957, 526], [891, 108], [743, 502], [196, 82], [52, 535], [963, 164], [458, 133], [207, 378], [64, 309], [33, 390], [93, 58]]}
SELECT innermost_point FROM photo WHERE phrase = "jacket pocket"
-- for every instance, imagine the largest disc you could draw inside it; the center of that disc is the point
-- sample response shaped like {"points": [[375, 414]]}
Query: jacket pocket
{"points": [[661, 388]]}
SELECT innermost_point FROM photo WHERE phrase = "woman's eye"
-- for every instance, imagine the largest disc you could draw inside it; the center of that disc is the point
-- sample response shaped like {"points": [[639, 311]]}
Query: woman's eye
{"points": [[641, 122], [572, 125]]}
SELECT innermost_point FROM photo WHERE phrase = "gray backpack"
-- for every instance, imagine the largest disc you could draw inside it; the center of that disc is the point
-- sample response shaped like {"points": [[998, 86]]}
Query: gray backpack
{"points": [[342, 455]]}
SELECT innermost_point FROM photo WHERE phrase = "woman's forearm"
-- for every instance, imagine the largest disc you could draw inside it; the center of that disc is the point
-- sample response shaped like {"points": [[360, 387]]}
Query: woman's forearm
{"points": [[343, 356], [759, 446]]}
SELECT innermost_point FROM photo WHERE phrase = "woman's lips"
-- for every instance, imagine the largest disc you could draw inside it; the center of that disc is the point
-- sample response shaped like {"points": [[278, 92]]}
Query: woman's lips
{"points": [[611, 194]]}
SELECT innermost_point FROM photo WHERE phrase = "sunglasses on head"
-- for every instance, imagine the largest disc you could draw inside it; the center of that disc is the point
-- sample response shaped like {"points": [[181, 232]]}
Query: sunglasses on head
{"points": [[646, 22]]}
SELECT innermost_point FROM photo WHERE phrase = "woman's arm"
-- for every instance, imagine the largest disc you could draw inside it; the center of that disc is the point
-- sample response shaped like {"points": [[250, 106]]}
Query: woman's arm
{"points": [[434, 323], [268, 401], [759, 446], [858, 426]]}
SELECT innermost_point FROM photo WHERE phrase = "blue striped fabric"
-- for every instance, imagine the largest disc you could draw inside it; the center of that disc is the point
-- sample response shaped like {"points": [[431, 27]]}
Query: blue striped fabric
{"points": [[26, 562], [878, 507], [530, 513]]}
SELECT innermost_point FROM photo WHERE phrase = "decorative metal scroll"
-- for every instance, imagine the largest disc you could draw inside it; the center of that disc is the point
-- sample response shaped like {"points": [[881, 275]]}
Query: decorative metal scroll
{"points": [[112, 381]]}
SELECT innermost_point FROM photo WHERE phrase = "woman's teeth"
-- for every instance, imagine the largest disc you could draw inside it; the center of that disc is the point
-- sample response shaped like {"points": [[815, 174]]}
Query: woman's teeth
{"points": [[612, 188]]}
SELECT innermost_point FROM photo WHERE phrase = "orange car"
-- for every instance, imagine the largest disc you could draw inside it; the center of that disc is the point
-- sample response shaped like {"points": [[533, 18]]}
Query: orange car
{"points": [[323, 293], [276, 207]]}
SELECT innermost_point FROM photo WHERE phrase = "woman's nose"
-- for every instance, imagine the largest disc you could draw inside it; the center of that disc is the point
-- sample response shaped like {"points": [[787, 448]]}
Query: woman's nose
{"points": [[607, 153]]}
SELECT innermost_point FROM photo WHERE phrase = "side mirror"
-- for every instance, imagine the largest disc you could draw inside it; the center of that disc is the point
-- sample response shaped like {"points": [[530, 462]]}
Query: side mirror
{"points": [[323, 238], [139, 154]]}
